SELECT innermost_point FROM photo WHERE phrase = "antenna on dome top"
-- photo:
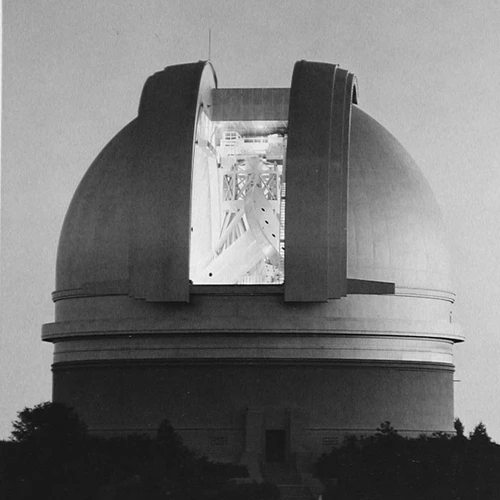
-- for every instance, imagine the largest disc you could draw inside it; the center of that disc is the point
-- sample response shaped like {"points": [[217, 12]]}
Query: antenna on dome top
{"points": [[209, 43]]}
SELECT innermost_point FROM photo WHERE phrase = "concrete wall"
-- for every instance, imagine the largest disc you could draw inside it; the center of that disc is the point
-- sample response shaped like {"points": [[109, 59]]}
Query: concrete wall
{"points": [[209, 402]]}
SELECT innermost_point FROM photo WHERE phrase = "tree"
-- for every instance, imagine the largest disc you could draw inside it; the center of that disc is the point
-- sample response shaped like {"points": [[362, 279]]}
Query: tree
{"points": [[48, 422], [459, 428], [168, 438], [50, 459], [50, 455], [388, 467], [386, 429], [479, 435], [170, 446]]}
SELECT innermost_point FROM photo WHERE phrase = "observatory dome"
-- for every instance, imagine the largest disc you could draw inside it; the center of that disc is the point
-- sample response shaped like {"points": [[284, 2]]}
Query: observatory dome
{"points": [[394, 229], [264, 267]]}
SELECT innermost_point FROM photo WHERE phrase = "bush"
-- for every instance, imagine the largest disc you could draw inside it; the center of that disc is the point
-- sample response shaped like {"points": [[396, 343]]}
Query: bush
{"points": [[479, 436], [250, 491], [389, 466], [49, 422], [51, 456]]}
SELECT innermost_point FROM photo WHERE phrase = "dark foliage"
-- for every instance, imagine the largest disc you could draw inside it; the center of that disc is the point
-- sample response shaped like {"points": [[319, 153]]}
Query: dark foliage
{"points": [[49, 422], [45, 459], [388, 466], [250, 491], [52, 456], [459, 428], [479, 436]]}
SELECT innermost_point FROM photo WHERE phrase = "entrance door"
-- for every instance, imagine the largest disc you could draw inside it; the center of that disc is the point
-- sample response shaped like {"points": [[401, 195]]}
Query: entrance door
{"points": [[275, 445]]}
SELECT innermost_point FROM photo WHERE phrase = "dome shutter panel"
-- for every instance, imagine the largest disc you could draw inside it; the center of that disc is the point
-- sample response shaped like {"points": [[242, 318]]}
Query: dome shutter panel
{"points": [[317, 179], [159, 251]]}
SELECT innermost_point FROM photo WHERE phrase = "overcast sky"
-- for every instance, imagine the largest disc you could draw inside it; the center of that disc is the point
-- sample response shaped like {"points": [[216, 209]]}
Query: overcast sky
{"points": [[72, 75]]}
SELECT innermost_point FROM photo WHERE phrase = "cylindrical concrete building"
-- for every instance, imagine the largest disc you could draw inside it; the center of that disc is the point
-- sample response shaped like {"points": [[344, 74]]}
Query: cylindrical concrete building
{"points": [[185, 292]]}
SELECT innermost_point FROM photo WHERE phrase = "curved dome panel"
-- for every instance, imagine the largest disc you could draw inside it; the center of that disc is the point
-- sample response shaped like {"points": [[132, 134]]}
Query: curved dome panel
{"points": [[127, 228], [94, 242], [395, 231], [394, 227]]}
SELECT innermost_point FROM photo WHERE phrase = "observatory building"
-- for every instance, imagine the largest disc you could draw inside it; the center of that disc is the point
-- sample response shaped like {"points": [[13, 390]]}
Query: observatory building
{"points": [[265, 267]]}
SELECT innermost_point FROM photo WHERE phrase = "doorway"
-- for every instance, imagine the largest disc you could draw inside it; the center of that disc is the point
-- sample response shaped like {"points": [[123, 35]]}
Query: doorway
{"points": [[275, 445]]}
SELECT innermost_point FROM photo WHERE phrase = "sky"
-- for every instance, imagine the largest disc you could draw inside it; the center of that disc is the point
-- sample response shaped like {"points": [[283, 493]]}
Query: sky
{"points": [[72, 76]]}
